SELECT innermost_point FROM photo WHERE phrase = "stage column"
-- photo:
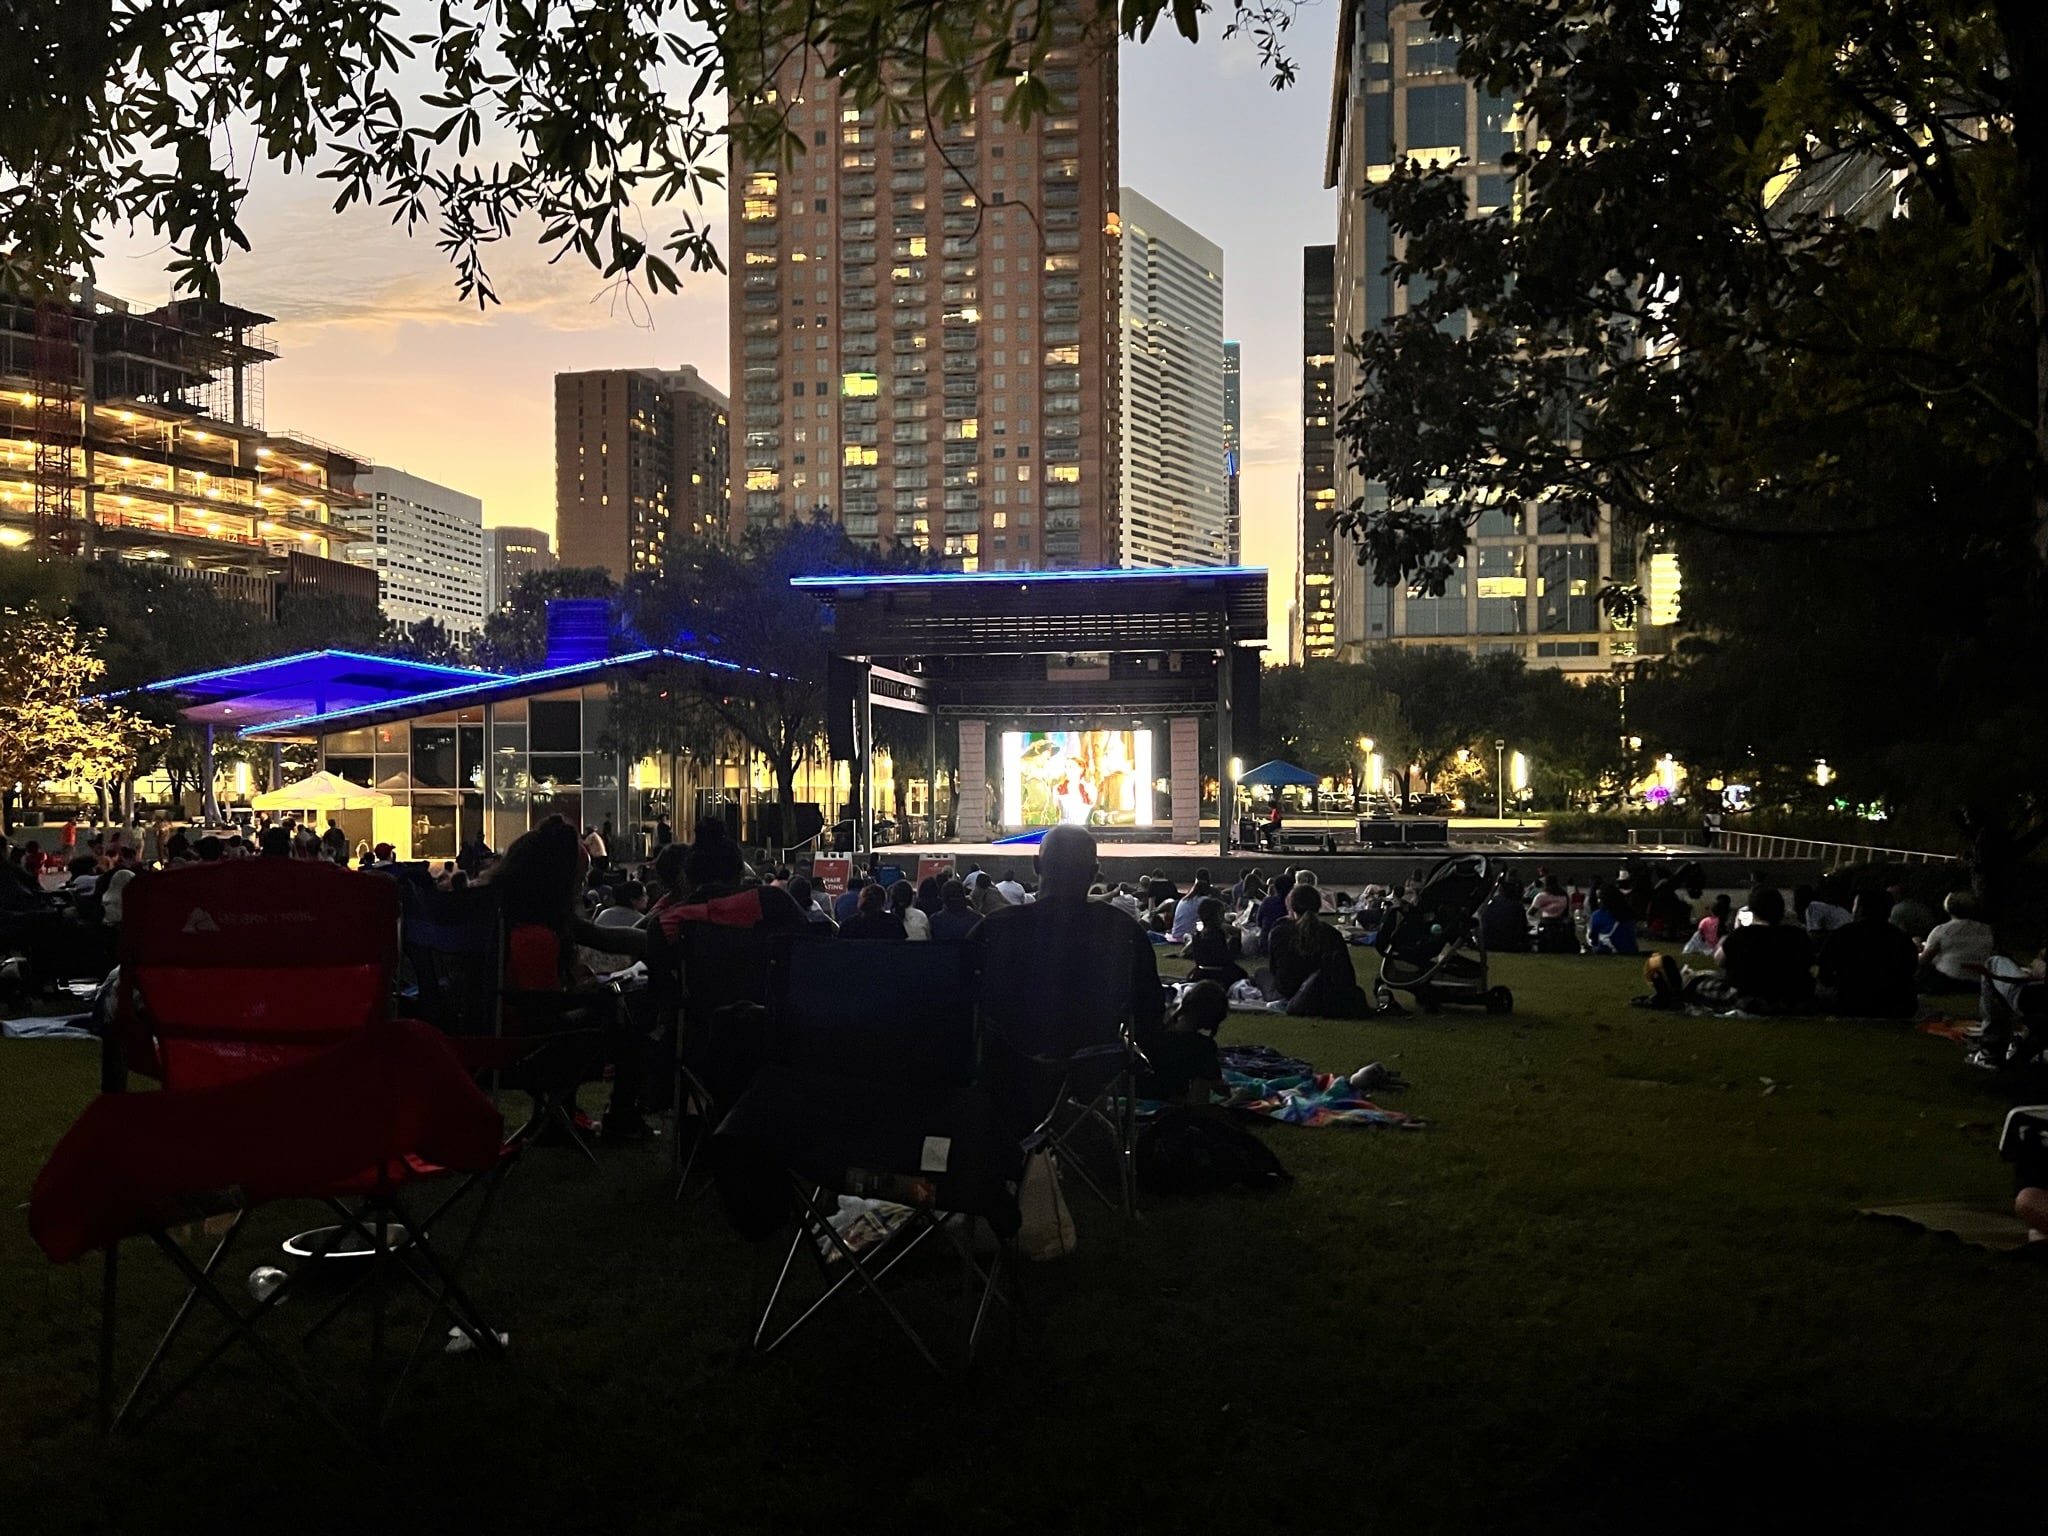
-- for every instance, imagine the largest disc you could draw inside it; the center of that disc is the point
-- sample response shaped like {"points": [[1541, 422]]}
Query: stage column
{"points": [[970, 792], [1187, 779], [1226, 744]]}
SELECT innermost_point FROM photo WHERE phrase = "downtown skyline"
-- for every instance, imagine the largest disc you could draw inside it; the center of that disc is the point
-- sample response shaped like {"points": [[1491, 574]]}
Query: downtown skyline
{"points": [[381, 356]]}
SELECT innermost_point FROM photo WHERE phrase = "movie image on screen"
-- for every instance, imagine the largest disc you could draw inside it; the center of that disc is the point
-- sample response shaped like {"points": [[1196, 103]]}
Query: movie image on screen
{"points": [[1089, 778]]}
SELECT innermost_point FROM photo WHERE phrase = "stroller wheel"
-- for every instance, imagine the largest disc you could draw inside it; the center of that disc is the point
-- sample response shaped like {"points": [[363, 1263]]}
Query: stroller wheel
{"points": [[1426, 1001], [1500, 1000], [1383, 999]]}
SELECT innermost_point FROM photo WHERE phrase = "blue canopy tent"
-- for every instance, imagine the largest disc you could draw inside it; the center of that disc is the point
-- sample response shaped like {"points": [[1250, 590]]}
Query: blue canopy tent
{"points": [[1278, 775]]}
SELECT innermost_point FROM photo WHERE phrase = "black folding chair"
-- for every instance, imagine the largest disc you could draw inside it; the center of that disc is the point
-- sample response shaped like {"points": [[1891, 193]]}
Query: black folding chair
{"points": [[1056, 1041], [872, 1095], [545, 1045]]}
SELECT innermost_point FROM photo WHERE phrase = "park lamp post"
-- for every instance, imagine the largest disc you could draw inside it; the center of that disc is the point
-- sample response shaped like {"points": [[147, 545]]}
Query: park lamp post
{"points": [[1365, 745], [1500, 777]]}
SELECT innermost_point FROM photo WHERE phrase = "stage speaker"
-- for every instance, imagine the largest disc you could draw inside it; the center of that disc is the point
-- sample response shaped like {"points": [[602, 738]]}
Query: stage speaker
{"points": [[842, 685], [1244, 694]]}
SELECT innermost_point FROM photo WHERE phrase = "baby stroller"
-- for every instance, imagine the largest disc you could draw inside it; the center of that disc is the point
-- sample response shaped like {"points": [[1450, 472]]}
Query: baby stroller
{"points": [[1434, 949]]}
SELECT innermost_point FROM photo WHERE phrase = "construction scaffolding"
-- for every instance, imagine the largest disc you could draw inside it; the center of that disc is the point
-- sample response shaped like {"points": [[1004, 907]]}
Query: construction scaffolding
{"points": [[55, 532]]}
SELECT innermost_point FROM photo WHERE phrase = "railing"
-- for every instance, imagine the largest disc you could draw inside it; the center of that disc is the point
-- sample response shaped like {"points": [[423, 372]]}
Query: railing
{"points": [[1764, 845]]}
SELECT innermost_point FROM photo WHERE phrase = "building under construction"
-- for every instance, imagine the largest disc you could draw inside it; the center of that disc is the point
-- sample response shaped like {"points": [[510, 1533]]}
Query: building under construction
{"points": [[138, 435]]}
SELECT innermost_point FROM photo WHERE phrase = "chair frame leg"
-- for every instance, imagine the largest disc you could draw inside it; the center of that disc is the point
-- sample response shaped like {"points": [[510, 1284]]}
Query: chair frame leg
{"points": [[813, 1226]]}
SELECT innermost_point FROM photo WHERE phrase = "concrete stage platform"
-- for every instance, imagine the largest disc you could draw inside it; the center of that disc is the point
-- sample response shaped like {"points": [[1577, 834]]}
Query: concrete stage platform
{"points": [[1125, 858]]}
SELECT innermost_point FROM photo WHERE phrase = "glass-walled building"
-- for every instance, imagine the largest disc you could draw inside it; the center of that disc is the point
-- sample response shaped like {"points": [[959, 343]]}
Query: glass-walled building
{"points": [[1528, 585], [503, 754]]}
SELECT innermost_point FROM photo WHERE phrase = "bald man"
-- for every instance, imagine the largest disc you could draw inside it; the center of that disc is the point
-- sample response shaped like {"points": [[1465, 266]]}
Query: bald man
{"points": [[1064, 972]]}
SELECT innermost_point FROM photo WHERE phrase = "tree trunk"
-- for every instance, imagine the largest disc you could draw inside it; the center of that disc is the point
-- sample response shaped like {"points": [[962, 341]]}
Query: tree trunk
{"points": [[2024, 25]]}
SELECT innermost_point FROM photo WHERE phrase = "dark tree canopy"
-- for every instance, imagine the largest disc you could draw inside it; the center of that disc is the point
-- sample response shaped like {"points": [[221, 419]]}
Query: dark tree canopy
{"points": [[595, 128]]}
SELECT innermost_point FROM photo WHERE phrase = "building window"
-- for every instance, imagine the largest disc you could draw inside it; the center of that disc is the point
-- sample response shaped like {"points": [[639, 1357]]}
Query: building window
{"points": [[1436, 118], [1429, 54]]}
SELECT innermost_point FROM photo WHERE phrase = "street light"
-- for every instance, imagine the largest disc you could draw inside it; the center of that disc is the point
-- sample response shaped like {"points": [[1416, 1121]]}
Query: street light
{"points": [[1500, 777]]}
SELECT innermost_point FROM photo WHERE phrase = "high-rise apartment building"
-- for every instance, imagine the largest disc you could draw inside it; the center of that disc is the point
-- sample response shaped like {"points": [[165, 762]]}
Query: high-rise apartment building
{"points": [[1233, 450], [639, 465], [511, 555], [1316, 540], [1175, 502], [924, 321], [426, 543], [1528, 585]]}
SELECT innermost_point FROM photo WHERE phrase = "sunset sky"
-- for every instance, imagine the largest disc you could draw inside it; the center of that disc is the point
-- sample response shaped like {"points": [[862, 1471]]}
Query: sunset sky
{"points": [[380, 357]]}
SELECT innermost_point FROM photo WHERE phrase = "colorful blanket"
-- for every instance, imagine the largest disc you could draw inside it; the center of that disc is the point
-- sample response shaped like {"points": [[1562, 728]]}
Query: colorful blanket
{"points": [[1312, 1098]]}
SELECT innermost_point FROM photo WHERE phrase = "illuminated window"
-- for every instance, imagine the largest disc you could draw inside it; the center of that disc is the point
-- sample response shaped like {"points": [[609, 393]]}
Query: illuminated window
{"points": [[764, 479], [857, 455], [859, 386]]}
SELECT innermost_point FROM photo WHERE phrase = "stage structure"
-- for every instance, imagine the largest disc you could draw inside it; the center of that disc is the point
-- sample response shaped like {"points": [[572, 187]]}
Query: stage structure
{"points": [[1076, 658]]}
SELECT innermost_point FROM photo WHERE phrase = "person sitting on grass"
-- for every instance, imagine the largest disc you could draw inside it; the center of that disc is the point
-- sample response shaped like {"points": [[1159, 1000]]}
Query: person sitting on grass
{"points": [[1186, 910], [1181, 1062], [1503, 922], [1866, 968], [1311, 962], [1611, 927], [1273, 906], [1768, 966], [1952, 959], [1713, 927], [1210, 947], [1551, 911]]}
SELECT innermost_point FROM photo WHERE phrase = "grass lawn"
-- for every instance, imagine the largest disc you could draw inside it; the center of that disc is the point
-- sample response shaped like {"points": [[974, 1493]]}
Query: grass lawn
{"points": [[1615, 1285]]}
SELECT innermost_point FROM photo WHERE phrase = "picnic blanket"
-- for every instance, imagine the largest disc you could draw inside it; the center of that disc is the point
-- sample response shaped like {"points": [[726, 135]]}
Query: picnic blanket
{"points": [[68, 1028], [1310, 1098]]}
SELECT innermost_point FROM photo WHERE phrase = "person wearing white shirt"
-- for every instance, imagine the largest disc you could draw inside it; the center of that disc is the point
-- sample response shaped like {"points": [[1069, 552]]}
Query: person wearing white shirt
{"points": [[903, 902], [1012, 890], [1952, 959]]}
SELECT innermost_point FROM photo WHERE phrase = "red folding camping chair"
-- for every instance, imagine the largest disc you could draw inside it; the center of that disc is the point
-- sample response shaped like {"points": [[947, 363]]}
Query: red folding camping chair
{"points": [[259, 994]]}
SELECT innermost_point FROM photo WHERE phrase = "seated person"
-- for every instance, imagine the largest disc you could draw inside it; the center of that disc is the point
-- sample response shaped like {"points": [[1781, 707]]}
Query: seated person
{"points": [[1714, 926], [1209, 947], [1060, 976], [1766, 966], [955, 919], [1311, 963], [1181, 1061], [537, 887], [801, 893], [917, 925], [873, 918], [1817, 913], [1866, 968], [1551, 911], [1952, 959], [1611, 927], [2013, 1003], [1503, 924]]}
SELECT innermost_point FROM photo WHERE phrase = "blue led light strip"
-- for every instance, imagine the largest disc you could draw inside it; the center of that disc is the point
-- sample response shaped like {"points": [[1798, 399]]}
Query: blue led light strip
{"points": [[1026, 578], [412, 703], [220, 674]]}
